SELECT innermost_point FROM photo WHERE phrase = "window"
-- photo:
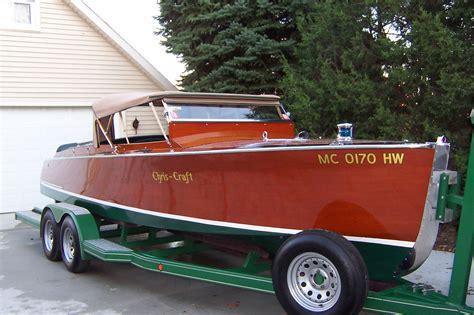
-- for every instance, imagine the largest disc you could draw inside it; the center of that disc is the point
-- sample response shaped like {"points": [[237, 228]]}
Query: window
{"points": [[224, 112], [19, 14], [22, 12]]}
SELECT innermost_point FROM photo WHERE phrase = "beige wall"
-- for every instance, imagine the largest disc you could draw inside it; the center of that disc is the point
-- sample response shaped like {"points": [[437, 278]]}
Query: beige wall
{"points": [[49, 76], [148, 124], [66, 62]]}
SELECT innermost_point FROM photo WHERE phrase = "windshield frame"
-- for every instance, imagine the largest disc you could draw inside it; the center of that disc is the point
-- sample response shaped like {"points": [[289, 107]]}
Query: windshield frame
{"points": [[169, 116]]}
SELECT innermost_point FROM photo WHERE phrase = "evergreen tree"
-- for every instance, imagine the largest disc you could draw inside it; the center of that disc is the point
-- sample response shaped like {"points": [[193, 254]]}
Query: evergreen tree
{"points": [[395, 69], [333, 78], [436, 75], [230, 46]]}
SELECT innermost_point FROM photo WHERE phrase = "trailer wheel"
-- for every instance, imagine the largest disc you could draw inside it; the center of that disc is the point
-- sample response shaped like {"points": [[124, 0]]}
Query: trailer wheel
{"points": [[50, 236], [71, 247], [319, 272]]}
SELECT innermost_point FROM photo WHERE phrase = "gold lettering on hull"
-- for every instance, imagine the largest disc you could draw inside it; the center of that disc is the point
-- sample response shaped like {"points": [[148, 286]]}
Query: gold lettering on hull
{"points": [[393, 158], [328, 159], [163, 177], [360, 158]]}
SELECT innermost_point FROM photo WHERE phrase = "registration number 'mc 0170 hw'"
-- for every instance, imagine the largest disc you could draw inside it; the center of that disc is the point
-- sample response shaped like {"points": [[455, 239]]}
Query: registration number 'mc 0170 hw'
{"points": [[360, 158]]}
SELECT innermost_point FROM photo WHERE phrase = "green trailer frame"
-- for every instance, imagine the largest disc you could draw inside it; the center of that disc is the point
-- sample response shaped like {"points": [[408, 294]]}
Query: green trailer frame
{"points": [[152, 249]]}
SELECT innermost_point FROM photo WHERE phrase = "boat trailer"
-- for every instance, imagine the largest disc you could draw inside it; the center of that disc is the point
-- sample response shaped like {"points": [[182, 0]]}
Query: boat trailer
{"points": [[156, 250]]}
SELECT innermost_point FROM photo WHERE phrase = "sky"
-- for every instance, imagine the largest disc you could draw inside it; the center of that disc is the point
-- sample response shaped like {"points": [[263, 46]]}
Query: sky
{"points": [[133, 20]]}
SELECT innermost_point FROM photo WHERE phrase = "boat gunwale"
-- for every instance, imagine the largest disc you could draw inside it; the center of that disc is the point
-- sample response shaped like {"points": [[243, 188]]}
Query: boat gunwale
{"points": [[428, 145]]}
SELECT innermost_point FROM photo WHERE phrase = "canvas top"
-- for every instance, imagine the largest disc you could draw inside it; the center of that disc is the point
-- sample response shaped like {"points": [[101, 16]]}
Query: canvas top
{"points": [[118, 102]]}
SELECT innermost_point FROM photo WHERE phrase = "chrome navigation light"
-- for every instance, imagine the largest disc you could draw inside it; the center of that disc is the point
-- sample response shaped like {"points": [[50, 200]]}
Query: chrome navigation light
{"points": [[344, 132]]}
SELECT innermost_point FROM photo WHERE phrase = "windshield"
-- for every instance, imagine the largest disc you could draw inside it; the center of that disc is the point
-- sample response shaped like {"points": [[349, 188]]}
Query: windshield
{"points": [[224, 112]]}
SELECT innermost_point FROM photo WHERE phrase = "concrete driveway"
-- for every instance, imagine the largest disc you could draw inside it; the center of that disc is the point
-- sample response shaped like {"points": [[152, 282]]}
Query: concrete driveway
{"points": [[31, 284]]}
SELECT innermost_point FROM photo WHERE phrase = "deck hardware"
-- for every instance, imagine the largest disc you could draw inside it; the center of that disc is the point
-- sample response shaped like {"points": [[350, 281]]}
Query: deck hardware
{"points": [[302, 135], [344, 132]]}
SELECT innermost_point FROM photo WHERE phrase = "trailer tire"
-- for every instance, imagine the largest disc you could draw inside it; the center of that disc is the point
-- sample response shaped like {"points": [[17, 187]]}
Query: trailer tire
{"points": [[71, 247], [49, 232], [319, 272]]}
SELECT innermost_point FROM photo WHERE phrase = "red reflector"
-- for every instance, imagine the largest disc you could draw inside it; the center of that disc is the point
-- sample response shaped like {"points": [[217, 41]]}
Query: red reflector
{"points": [[160, 267]]}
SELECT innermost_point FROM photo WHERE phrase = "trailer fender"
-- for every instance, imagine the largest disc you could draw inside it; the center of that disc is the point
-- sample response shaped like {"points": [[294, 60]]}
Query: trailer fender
{"points": [[83, 219]]}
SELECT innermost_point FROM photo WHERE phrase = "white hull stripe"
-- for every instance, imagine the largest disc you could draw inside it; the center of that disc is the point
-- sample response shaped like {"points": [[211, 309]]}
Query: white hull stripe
{"points": [[256, 150], [241, 226]]}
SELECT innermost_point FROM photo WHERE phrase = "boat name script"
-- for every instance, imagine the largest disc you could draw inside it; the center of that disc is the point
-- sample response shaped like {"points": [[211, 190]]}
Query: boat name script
{"points": [[162, 177], [361, 158]]}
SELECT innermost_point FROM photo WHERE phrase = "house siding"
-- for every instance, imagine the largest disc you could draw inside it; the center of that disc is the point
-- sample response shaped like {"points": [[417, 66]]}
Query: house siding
{"points": [[147, 121], [67, 61], [48, 81]]}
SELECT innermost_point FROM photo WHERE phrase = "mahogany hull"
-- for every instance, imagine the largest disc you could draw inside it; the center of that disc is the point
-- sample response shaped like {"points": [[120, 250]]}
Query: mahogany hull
{"points": [[374, 195]]}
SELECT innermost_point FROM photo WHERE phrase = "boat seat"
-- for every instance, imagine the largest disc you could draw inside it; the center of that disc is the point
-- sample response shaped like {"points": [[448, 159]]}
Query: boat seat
{"points": [[137, 139]]}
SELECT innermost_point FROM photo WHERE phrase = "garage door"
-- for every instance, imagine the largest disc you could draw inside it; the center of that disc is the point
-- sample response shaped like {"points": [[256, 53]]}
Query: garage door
{"points": [[28, 136]]}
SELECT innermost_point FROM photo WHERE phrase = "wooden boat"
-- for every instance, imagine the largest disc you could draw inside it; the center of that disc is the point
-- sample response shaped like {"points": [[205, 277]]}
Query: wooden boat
{"points": [[230, 165]]}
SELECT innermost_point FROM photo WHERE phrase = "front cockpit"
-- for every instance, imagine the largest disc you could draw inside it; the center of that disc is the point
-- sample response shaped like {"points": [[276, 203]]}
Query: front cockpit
{"points": [[178, 120]]}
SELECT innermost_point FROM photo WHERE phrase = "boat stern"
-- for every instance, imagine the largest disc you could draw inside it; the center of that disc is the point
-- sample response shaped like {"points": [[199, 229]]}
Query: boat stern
{"points": [[430, 223]]}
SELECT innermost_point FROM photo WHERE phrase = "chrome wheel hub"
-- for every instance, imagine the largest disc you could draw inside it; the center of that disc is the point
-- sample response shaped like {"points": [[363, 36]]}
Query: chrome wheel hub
{"points": [[69, 246], [48, 235], [314, 282]]}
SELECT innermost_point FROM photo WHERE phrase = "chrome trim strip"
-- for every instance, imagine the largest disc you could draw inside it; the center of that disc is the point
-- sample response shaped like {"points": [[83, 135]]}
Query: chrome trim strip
{"points": [[259, 149], [277, 230], [429, 225]]}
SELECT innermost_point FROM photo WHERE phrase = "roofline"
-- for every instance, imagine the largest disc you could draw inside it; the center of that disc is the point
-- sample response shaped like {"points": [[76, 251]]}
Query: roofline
{"points": [[110, 34]]}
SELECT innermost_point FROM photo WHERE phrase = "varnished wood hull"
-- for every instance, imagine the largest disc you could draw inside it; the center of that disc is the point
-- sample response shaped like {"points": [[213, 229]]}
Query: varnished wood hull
{"points": [[373, 195]]}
